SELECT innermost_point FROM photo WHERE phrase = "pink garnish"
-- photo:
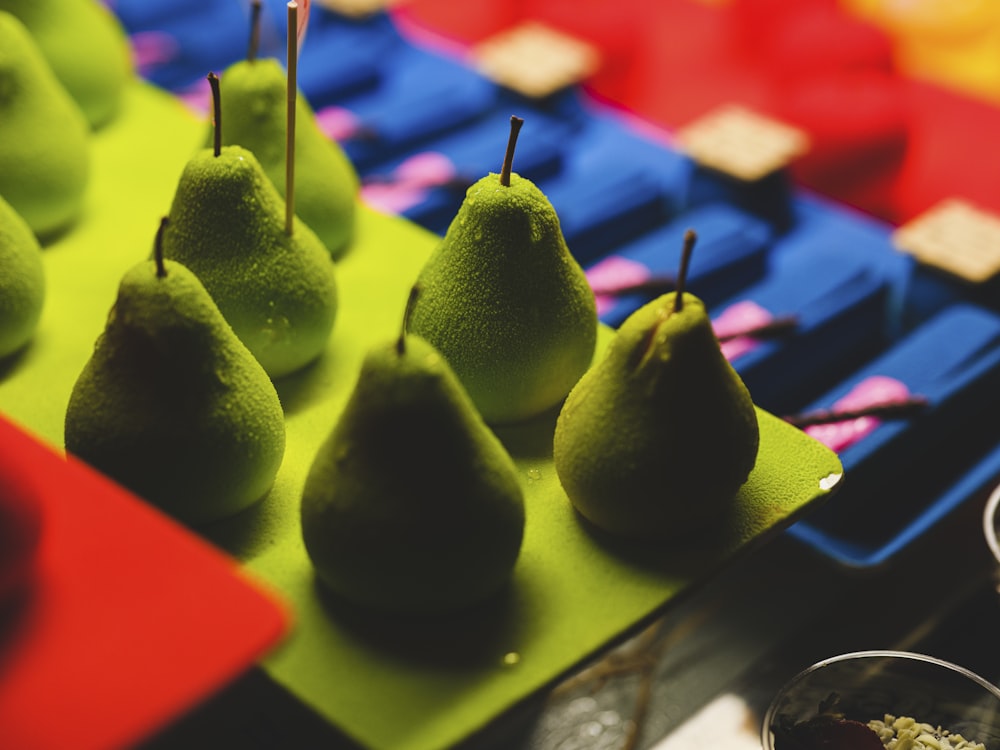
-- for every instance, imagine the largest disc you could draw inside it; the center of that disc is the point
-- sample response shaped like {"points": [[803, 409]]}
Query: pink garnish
{"points": [[409, 183], [151, 49], [732, 323], [337, 123], [428, 169], [613, 273], [198, 97], [877, 390]]}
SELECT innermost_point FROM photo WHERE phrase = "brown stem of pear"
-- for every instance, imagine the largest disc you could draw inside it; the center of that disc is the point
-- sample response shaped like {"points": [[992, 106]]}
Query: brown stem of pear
{"points": [[411, 302], [900, 409], [254, 45], [291, 87], [161, 268], [690, 238], [213, 81], [508, 158]]}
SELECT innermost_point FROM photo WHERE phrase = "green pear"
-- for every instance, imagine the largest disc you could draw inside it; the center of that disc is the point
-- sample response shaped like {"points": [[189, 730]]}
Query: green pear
{"points": [[277, 290], [86, 47], [254, 116], [504, 301], [657, 438], [22, 281], [44, 139], [172, 405], [412, 505]]}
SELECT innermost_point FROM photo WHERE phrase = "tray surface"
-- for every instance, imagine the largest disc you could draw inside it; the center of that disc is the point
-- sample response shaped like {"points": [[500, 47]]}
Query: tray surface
{"points": [[387, 684]]}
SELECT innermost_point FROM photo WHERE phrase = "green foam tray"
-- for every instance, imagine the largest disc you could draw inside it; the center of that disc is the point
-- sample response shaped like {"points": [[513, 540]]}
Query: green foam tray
{"points": [[387, 684]]}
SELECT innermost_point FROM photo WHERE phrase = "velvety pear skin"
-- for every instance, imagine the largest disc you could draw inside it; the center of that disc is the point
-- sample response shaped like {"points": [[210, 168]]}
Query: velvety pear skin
{"points": [[254, 116], [657, 438], [506, 304], [279, 293], [172, 405], [44, 138], [412, 505], [87, 49], [22, 281]]}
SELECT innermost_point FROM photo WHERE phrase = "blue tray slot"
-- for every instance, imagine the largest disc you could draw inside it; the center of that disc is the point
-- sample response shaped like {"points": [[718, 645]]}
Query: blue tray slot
{"points": [[193, 37], [607, 207], [731, 252], [474, 152], [342, 57], [770, 198], [420, 97], [840, 303], [917, 293], [614, 187], [930, 290], [953, 360], [820, 224], [570, 107], [925, 499]]}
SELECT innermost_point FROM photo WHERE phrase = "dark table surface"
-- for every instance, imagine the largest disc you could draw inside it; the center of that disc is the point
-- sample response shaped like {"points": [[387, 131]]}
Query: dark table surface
{"points": [[716, 660]]}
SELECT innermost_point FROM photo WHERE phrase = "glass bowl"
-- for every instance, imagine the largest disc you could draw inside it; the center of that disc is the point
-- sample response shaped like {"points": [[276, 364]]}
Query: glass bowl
{"points": [[867, 685], [990, 521]]}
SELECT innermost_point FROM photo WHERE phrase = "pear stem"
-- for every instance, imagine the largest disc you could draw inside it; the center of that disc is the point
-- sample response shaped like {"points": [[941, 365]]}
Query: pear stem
{"points": [[508, 159], [292, 88], [254, 44], [161, 269], [690, 238], [411, 302], [213, 81]]}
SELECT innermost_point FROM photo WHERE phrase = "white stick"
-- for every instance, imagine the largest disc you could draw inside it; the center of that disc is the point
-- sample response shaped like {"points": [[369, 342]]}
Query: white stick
{"points": [[293, 55]]}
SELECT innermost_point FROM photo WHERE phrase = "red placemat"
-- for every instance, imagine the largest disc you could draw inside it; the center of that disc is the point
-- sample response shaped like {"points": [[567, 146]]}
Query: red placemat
{"points": [[883, 140], [130, 620]]}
